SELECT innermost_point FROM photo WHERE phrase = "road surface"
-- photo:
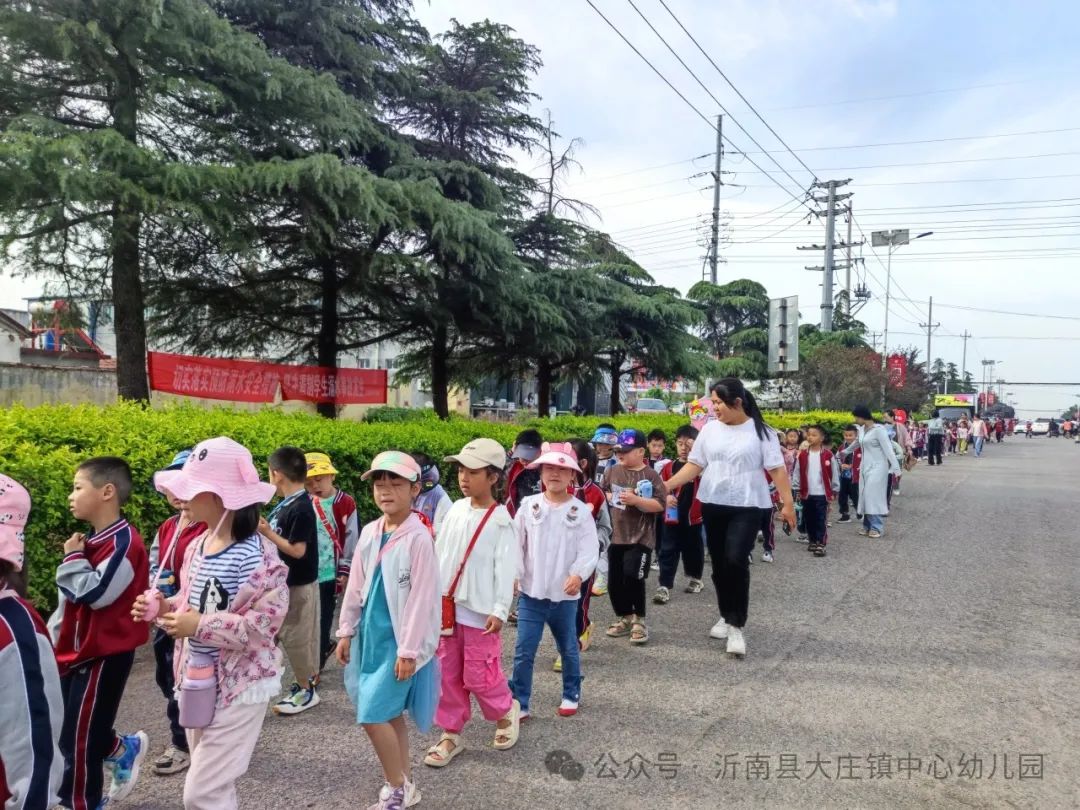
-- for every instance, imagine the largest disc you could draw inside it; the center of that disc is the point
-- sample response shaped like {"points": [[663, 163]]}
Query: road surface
{"points": [[937, 666]]}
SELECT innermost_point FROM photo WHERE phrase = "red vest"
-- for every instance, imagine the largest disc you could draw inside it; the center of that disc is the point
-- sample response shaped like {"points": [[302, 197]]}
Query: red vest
{"points": [[856, 462], [826, 473], [695, 505]]}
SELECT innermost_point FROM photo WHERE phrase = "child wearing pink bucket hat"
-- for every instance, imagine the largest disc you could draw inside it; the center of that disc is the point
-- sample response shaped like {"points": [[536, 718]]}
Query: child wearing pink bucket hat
{"points": [[225, 618], [559, 549], [32, 711], [388, 633]]}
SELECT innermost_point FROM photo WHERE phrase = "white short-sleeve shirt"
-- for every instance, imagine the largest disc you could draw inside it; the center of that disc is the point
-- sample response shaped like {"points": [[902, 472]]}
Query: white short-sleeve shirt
{"points": [[733, 459]]}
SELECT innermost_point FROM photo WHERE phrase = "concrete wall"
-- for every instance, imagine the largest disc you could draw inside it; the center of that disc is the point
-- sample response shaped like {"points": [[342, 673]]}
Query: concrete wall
{"points": [[32, 385]]}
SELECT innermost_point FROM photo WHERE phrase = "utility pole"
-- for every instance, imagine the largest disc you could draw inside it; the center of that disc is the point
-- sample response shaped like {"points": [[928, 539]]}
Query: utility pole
{"points": [[929, 326], [829, 247], [847, 270], [714, 255], [873, 339], [963, 364]]}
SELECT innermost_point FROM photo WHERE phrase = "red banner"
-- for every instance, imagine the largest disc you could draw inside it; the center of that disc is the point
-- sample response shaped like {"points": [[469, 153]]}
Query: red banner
{"points": [[897, 367], [250, 381]]}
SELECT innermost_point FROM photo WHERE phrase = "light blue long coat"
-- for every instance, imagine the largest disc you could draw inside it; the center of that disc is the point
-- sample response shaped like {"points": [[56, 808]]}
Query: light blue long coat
{"points": [[878, 460]]}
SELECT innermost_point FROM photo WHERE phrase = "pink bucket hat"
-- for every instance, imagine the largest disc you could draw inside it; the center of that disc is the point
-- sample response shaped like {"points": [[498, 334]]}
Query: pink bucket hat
{"points": [[396, 462], [14, 512], [220, 466], [557, 454]]}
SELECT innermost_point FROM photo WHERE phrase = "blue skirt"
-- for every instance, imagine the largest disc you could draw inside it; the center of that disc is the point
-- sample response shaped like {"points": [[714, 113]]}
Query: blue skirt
{"points": [[369, 677]]}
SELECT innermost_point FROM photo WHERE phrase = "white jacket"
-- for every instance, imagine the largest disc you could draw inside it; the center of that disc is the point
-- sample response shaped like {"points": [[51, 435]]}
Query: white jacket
{"points": [[556, 542], [487, 583]]}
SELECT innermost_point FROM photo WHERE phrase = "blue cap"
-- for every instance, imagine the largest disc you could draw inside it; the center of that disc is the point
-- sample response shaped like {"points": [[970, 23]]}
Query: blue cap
{"points": [[605, 436], [178, 460]]}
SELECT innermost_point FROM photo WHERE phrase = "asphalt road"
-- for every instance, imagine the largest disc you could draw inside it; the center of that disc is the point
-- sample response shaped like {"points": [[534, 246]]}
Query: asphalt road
{"points": [[936, 666]]}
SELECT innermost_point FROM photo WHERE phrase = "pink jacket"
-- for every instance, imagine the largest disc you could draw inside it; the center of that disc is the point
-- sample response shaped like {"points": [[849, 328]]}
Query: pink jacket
{"points": [[247, 633], [411, 579]]}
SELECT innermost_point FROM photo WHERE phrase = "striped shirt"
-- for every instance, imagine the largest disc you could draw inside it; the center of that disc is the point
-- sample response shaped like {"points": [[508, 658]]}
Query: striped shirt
{"points": [[215, 579]]}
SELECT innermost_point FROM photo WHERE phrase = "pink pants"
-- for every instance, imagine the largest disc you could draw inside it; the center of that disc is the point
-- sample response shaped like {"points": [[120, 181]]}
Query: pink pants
{"points": [[220, 754], [471, 664]]}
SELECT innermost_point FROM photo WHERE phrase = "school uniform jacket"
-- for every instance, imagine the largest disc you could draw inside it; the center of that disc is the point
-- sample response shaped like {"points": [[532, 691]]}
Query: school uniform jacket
{"points": [[591, 494], [346, 530], [830, 474], [97, 588], [695, 506], [32, 711], [852, 454], [410, 573], [166, 542]]}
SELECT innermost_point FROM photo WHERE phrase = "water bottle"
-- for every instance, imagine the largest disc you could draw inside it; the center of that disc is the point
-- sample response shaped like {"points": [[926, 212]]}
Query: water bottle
{"points": [[198, 692], [672, 514], [644, 488]]}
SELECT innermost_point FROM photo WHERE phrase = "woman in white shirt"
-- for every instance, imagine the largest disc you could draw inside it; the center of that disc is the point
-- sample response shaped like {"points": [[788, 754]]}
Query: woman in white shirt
{"points": [[731, 454]]}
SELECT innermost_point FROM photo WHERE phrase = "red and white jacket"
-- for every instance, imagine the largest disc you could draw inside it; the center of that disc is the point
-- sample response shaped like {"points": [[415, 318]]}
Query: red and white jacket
{"points": [[830, 474], [97, 588], [695, 506], [855, 460], [32, 712], [343, 526]]}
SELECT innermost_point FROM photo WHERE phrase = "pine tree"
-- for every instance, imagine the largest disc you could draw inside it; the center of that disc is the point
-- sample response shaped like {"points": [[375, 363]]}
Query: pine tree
{"points": [[125, 124]]}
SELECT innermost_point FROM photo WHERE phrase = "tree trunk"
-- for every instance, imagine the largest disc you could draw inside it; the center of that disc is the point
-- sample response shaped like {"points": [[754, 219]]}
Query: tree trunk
{"points": [[440, 382], [616, 377], [129, 313], [543, 389], [328, 327]]}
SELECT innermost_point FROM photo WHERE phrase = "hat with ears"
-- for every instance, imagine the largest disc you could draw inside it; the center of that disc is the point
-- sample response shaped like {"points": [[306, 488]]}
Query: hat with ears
{"points": [[557, 454], [220, 466], [14, 512]]}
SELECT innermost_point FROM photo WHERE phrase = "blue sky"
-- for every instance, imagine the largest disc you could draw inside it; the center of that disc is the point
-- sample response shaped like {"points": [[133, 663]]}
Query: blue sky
{"points": [[817, 72]]}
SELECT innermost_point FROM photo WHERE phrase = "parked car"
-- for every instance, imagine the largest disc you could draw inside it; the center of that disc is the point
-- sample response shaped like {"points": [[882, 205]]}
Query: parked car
{"points": [[651, 406], [1040, 427]]}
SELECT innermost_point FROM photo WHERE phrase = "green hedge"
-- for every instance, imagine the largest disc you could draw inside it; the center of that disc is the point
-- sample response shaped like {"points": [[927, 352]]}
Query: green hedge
{"points": [[42, 446]]}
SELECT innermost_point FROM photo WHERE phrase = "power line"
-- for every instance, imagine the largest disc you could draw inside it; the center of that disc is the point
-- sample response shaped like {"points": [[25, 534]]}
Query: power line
{"points": [[1003, 312], [711, 95], [1002, 337], [942, 162], [675, 90], [904, 95], [937, 140], [736, 89]]}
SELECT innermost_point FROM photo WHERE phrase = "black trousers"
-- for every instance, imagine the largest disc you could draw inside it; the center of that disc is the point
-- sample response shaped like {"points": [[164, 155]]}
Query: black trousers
{"points": [[936, 442], [327, 600], [815, 509], [92, 695], [849, 493], [628, 566], [681, 540], [730, 532], [164, 648]]}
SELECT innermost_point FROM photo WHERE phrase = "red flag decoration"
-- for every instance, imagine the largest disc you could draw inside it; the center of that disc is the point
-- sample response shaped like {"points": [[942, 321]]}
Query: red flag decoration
{"points": [[897, 366], [251, 381]]}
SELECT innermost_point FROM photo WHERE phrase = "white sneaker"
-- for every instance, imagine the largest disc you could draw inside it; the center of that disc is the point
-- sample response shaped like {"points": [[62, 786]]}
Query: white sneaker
{"points": [[695, 586], [751, 558], [412, 794], [568, 708], [767, 557], [662, 596], [736, 644], [719, 630], [654, 565], [300, 702]]}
